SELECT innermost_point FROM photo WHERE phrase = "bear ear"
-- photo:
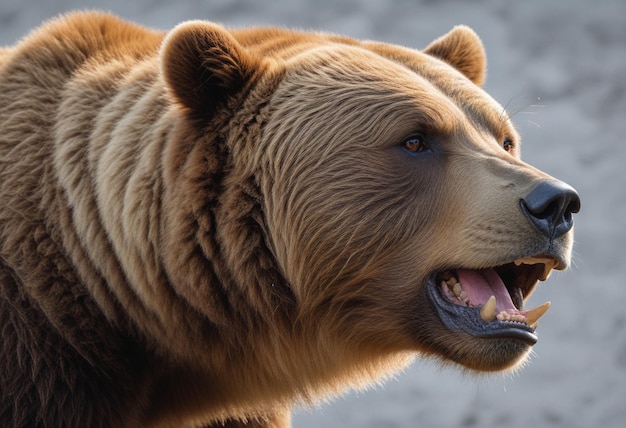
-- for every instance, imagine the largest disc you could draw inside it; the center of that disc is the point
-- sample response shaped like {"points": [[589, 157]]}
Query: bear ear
{"points": [[204, 66], [462, 49]]}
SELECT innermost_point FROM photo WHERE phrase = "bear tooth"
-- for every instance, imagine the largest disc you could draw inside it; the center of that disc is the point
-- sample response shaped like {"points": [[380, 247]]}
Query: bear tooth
{"points": [[445, 288], [519, 318], [528, 261], [503, 316], [547, 270], [534, 314], [488, 311], [463, 295], [457, 289]]}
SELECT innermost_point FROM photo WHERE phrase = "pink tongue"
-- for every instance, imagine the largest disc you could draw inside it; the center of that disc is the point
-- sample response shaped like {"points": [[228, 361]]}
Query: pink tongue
{"points": [[482, 284]]}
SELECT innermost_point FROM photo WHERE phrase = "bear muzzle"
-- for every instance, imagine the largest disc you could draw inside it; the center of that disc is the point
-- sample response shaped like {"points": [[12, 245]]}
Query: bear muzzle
{"points": [[549, 207]]}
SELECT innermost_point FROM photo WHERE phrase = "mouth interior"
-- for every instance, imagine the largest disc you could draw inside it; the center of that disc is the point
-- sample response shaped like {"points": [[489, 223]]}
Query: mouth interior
{"points": [[474, 288], [498, 293]]}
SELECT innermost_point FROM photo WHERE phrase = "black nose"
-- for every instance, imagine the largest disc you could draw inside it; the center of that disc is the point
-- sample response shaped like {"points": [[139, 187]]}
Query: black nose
{"points": [[550, 206]]}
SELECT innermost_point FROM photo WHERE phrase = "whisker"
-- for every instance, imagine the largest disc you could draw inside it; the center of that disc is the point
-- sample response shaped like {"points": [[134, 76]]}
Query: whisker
{"points": [[506, 115], [533, 123]]}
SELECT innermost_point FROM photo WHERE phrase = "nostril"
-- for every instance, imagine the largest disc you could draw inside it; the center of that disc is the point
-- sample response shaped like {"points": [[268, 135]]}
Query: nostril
{"points": [[574, 204], [545, 212], [550, 206]]}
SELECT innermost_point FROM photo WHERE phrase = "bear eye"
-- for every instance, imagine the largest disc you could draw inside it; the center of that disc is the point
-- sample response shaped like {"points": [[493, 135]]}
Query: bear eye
{"points": [[508, 145], [415, 144]]}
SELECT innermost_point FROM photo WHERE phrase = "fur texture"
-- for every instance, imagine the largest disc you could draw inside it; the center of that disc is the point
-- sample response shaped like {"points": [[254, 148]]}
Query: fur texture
{"points": [[205, 226]]}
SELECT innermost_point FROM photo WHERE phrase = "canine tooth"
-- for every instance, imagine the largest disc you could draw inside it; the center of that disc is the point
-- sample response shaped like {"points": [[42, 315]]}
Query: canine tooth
{"points": [[534, 314], [534, 325], [488, 311], [547, 270]]}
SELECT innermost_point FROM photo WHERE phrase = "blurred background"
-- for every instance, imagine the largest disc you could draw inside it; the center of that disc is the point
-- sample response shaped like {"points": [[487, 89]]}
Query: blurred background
{"points": [[560, 68]]}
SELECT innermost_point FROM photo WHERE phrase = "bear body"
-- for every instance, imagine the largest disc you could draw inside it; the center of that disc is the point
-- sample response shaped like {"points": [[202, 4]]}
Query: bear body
{"points": [[206, 226]]}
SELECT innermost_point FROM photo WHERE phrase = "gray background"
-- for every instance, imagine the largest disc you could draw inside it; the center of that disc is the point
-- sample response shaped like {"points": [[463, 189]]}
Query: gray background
{"points": [[561, 67]]}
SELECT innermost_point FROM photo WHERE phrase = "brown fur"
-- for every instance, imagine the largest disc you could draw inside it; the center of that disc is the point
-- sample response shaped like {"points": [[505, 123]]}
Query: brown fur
{"points": [[207, 226]]}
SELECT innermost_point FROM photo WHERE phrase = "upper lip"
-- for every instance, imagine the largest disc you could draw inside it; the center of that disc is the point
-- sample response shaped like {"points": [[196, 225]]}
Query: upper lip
{"points": [[478, 318]]}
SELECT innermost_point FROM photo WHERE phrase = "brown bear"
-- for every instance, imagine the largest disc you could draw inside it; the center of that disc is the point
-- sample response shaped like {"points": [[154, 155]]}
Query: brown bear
{"points": [[206, 227]]}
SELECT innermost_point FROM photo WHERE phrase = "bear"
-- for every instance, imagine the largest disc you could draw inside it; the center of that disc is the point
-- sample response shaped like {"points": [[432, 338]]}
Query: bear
{"points": [[208, 226]]}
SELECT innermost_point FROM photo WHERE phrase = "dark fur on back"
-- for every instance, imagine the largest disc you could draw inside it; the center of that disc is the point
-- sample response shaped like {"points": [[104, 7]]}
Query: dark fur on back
{"points": [[55, 372]]}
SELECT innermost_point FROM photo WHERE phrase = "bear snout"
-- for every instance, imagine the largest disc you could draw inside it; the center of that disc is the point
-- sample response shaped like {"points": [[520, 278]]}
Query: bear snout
{"points": [[549, 207]]}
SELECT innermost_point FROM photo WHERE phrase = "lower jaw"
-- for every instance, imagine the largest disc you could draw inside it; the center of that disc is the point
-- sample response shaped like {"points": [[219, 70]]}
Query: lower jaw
{"points": [[494, 355]]}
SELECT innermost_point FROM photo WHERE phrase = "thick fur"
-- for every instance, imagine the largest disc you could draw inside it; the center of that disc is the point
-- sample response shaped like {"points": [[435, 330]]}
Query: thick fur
{"points": [[205, 226]]}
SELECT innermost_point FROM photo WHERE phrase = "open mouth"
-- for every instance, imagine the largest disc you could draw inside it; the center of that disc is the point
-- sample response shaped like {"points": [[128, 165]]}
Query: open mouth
{"points": [[489, 303]]}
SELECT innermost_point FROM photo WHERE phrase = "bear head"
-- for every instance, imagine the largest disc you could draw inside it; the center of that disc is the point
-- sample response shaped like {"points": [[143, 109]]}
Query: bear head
{"points": [[358, 203]]}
